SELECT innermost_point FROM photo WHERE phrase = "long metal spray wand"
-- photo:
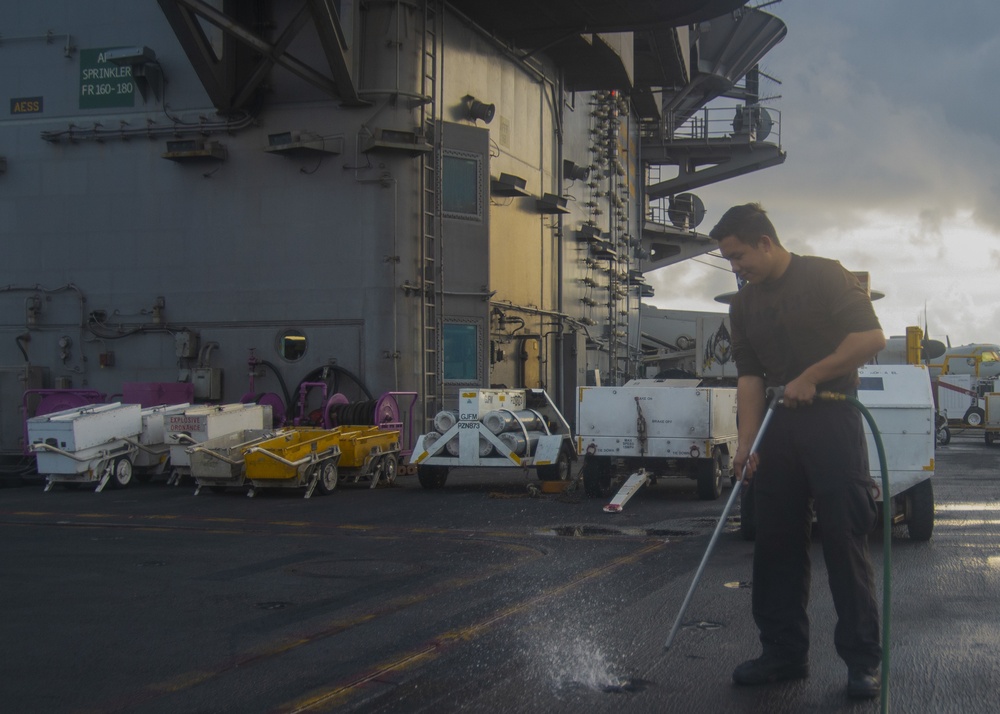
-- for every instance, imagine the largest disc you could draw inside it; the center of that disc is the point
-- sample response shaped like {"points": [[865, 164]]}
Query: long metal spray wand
{"points": [[775, 395]]}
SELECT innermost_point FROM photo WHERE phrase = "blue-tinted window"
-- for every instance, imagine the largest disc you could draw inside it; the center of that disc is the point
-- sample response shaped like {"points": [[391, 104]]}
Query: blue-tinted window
{"points": [[461, 352], [460, 188]]}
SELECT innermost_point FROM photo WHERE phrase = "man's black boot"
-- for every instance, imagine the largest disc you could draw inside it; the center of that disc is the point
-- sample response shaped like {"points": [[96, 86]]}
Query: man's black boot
{"points": [[767, 669], [863, 682]]}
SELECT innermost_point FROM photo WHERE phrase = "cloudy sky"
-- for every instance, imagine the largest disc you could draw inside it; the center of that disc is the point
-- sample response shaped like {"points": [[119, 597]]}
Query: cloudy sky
{"points": [[890, 116]]}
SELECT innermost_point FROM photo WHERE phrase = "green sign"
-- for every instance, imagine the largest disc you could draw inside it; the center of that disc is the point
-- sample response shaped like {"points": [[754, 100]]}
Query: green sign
{"points": [[104, 84]]}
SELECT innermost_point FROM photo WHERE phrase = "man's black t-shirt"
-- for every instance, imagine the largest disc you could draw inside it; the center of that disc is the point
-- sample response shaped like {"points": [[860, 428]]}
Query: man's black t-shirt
{"points": [[783, 326]]}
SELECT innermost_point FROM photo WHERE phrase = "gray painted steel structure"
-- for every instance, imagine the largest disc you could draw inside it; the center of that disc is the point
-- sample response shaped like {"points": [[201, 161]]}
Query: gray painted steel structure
{"points": [[181, 184]]}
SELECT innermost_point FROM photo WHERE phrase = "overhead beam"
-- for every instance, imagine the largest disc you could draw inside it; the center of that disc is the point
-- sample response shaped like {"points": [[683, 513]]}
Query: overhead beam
{"points": [[668, 245], [264, 66], [331, 37], [248, 38], [229, 88], [199, 52], [752, 157]]}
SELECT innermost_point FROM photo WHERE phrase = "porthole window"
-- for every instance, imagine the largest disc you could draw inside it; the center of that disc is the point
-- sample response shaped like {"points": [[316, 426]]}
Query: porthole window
{"points": [[292, 345]]}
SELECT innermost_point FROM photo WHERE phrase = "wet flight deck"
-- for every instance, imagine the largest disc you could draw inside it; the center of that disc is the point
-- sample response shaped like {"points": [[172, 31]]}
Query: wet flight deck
{"points": [[475, 598]]}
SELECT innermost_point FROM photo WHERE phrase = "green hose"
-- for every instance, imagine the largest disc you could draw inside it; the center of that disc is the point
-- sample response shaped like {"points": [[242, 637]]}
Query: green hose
{"points": [[886, 538]]}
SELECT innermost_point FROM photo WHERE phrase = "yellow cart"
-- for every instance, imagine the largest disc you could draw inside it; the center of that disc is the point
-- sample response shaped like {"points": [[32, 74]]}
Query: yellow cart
{"points": [[368, 454], [298, 458]]}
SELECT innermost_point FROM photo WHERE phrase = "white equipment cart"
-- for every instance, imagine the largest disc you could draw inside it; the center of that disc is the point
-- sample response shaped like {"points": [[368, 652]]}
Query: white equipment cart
{"points": [[656, 428], [152, 455], [90, 444], [499, 428], [900, 400], [198, 424]]}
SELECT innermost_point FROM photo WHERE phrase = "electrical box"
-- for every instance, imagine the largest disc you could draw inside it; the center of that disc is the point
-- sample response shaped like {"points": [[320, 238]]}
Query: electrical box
{"points": [[474, 403], [207, 383], [186, 344]]}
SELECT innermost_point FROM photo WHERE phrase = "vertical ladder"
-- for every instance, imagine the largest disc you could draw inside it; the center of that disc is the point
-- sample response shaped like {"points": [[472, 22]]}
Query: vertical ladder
{"points": [[430, 248], [614, 227], [623, 192]]}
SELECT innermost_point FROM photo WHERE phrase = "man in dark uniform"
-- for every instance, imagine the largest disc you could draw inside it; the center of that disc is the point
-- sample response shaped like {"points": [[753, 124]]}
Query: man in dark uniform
{"points": [[807, 324]]}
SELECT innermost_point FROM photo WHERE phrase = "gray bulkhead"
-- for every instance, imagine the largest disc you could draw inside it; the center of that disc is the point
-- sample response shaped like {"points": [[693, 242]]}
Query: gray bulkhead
{"points": [[121, 265]]}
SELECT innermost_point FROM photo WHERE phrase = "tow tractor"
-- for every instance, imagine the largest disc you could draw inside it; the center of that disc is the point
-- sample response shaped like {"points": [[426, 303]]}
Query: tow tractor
{"points": [[498, 428]]}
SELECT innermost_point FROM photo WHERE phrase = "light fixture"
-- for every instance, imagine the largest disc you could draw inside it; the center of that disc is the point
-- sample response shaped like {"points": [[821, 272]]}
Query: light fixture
{"points": [[588, 233], [303, 143], [575, 172], [508, 185], [551, 203], [144, 67], [195, 150], [479, 110], [130, 55], [379, 140]]}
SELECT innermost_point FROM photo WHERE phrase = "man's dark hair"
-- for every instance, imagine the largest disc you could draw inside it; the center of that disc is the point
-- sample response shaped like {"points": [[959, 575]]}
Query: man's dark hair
{"points": [[748, 223]]}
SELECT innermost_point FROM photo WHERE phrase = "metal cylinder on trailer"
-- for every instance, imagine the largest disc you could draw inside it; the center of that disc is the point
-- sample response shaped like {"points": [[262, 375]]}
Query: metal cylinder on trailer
{"points": [[485, 447], [515, 441], [502, 420], [430, 438], [444, 420]]}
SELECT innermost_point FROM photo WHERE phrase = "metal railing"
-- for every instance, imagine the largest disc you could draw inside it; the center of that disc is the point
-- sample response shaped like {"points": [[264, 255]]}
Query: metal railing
{"points": [[743, 122]]}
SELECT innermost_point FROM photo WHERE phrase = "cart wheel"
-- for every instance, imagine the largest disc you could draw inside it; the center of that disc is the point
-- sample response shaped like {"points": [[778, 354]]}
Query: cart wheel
{"points": [[327, 477], [431, 477], [389, 468], [748, 513], [559, 471], [943, 436], [920, 510], [597, 476], [975, 416], [121, 473], [709, 476]]}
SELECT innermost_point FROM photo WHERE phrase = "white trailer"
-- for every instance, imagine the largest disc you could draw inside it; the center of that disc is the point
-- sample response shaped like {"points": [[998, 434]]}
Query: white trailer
{"points": [[91, 444], [153, 453], [201, 423], [657, 427], [900, 401], [499, 428]]}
